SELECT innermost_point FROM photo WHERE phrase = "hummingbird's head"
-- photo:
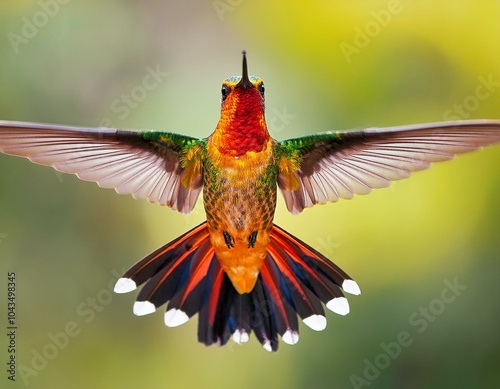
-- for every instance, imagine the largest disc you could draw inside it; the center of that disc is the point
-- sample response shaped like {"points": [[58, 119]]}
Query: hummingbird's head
{"points": [[245, 90], [242, 126]]}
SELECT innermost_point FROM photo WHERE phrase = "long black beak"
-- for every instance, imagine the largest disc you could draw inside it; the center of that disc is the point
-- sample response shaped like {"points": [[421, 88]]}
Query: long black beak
{"points": [[245, 82]]}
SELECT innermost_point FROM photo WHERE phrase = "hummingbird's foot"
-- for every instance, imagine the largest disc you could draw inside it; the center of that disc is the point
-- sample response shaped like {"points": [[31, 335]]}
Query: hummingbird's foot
{"points": [[228, 239], [252, 239]]}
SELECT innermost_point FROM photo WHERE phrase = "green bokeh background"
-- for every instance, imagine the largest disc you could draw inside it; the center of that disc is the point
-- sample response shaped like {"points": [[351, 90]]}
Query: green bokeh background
{"points": [[68, 240]]}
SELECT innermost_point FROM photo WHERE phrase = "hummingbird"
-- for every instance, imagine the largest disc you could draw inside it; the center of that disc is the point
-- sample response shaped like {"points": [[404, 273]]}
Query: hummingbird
{"points": [[237, 270]]}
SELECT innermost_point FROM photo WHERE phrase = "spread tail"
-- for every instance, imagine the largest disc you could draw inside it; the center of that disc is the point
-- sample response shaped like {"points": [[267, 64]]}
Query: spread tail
{"points": [[294, 280]]}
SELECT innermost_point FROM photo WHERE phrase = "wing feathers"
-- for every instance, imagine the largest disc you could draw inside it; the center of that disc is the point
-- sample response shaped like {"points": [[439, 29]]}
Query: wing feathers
{"points": [[342, 164], [143, 164]]}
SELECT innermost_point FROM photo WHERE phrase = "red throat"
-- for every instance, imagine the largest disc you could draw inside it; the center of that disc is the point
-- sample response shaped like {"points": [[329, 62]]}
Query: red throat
{"points": [[242, 126]]}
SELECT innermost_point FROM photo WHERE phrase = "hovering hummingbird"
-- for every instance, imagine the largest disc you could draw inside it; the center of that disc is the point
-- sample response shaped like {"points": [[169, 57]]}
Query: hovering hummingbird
{"points": [[238, 270]]}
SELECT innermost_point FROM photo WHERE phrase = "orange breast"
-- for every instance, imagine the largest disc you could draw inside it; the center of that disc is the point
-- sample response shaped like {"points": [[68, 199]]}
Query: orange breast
{"points": [[240, 198]]}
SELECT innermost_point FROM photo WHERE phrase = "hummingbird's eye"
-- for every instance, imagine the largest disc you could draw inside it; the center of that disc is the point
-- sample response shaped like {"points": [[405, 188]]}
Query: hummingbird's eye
{"points": [[261, 89], [225, 91]]}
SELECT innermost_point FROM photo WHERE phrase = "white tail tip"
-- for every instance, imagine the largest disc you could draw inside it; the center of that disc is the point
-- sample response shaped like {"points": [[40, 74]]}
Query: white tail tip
{"points": [[142, 308], [339, 305], [125, 285], [175, 318], [290, 337], [315, 322], [351, 286], [240, 337]]}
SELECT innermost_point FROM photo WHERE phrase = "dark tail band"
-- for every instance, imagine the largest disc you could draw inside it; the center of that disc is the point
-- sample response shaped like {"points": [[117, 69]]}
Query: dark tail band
{"points": [[295, 279]]}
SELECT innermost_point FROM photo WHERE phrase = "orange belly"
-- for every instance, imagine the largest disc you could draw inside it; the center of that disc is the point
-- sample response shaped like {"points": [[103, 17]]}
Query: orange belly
{"points": [[240, 199], [241, 263]]}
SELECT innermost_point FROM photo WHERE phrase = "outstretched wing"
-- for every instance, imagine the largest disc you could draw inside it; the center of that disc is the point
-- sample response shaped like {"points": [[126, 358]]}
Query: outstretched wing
{"points": [[145, 164], [328, 166]]}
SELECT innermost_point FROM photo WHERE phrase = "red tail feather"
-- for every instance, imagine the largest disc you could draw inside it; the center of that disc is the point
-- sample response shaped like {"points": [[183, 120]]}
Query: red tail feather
{"points": [[295, 280]]}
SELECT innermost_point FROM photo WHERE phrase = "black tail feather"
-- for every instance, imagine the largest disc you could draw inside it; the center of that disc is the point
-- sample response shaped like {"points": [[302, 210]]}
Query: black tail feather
{"points": [[295, 280]]}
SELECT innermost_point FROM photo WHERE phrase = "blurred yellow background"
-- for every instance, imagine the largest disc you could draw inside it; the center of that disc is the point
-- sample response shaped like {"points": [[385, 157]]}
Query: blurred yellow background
{"points": [[425, 251]]}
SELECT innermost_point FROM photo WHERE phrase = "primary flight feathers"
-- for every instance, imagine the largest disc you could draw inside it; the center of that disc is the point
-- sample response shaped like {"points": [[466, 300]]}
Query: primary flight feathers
{"points": [[143, 164], [148, 164]]}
